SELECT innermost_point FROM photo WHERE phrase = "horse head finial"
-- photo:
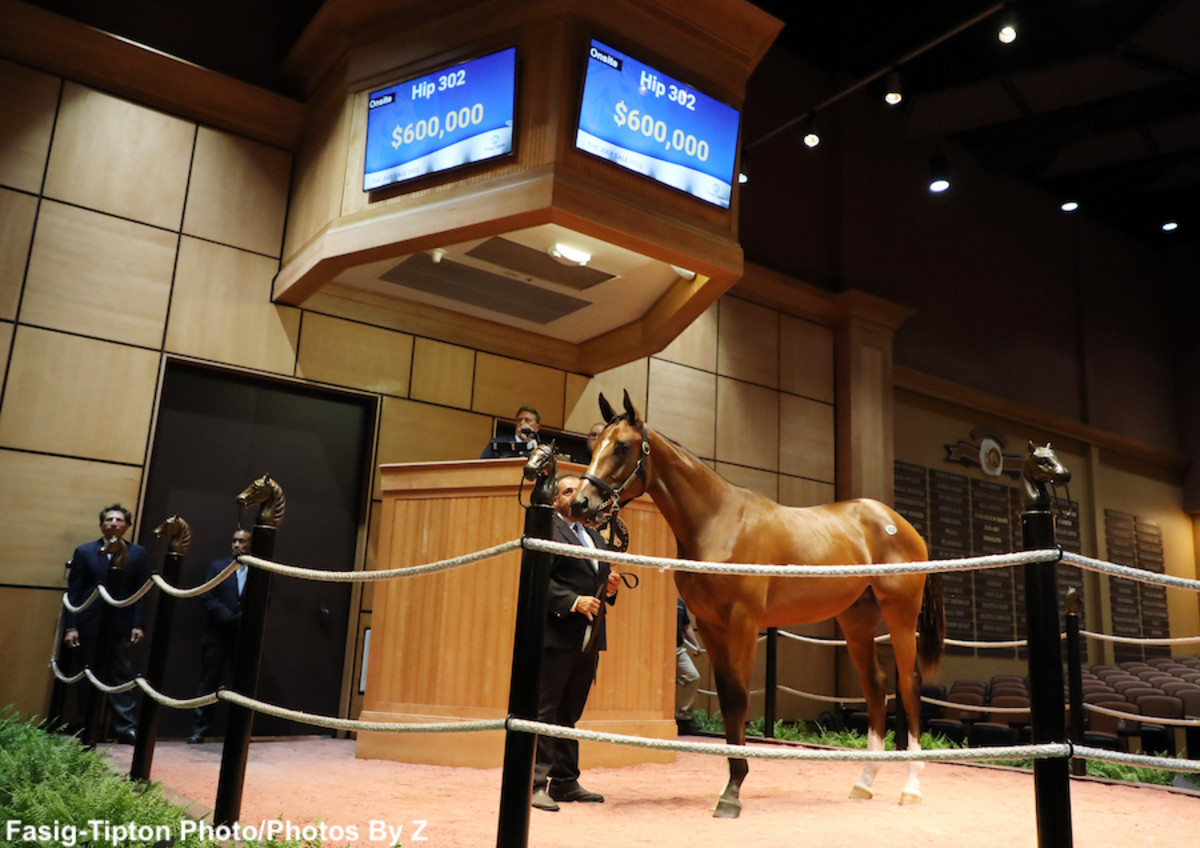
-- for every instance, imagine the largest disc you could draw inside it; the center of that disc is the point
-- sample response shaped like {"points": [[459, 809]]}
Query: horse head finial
{"points": [[542, 468], [1042, 469], [180, 533], [119, 550], [266, 491]]}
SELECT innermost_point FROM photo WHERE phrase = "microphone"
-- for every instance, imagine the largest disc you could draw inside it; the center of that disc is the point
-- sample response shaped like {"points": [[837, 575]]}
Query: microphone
{"points": [[529, 433]]}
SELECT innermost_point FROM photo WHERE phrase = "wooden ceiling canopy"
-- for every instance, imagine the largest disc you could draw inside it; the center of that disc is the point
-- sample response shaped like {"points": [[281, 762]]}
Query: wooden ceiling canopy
{"points": [[341, 241]]}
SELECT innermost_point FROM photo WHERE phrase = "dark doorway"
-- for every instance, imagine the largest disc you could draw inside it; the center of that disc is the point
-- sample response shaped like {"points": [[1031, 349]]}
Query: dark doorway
{"points": [[216, 432]]}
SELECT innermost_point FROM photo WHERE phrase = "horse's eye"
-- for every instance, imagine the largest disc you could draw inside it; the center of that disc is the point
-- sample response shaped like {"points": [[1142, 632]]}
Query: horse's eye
{"points": [[621, 448]]}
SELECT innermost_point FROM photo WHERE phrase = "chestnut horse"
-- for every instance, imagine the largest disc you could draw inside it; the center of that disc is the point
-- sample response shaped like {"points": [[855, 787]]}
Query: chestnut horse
{"points": [[716, 521]]}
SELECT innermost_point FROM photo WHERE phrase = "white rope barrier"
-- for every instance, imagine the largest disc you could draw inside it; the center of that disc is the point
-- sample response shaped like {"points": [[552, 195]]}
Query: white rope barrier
{"points": [[1168, 763], [386, 573], [1144, 718], [848, 570], [1137, 574], [1142, 640]]}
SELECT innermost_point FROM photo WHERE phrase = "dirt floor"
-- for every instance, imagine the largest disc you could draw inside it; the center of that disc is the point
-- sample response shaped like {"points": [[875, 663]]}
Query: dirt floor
{"points": [[307, 780]]}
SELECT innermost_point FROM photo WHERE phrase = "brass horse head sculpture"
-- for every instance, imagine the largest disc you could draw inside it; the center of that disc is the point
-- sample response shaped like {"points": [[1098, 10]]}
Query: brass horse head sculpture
{"points": [[119, 550], [179, 532], [267, 492], [1042, 469], [542, 470]]}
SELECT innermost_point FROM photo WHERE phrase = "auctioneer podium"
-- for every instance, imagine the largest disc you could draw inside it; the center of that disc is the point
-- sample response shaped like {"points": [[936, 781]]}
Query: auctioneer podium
{"points": [[441, 644]]}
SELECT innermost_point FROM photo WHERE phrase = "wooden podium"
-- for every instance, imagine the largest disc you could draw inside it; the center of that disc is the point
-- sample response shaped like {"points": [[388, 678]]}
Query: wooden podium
{"points": [[441, 644]]}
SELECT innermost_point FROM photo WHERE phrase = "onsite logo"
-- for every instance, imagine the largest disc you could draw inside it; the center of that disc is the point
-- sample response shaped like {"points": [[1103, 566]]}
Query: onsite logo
{"points": [[986, 451]]}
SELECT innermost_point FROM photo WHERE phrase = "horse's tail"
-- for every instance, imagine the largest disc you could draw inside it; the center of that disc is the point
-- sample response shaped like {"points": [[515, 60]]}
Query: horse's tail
{"points": [[931, 640]]}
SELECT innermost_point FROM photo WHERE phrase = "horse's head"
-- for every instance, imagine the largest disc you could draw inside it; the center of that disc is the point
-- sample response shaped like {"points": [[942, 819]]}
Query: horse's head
{"points": [[267, 492], [619, 458], [1042, 469], [179, 531]]}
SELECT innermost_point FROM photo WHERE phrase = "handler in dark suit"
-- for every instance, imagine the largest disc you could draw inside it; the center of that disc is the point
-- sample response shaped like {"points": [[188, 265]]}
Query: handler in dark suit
{"points": [[222, 618], [121, 566], [579, 591]]}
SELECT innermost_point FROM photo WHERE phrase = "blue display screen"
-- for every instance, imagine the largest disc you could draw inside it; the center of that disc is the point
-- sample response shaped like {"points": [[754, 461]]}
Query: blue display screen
{"points": [[452, 117], [647, 122]]}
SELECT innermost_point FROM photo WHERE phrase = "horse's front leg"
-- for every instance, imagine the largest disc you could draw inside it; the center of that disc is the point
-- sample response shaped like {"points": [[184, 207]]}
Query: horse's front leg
{"points": [[732, 660]]}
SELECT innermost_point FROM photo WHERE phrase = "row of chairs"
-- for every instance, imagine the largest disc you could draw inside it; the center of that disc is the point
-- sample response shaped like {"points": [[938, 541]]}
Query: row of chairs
{"points": [[1164, 687]]}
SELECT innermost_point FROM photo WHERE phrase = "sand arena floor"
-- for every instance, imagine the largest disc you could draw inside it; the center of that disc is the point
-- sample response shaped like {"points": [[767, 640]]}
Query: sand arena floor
{"points": [[311, 779]]}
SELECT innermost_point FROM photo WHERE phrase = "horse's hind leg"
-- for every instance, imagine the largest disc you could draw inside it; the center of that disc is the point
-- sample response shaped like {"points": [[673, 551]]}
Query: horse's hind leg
{"points": [[732, 660], [858, 625], [901, 620]]}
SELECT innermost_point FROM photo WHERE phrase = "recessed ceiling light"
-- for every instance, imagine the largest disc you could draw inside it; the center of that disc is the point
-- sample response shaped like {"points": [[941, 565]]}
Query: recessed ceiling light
{"points": [[1069, 206], [568, 255], [1170, 226]]}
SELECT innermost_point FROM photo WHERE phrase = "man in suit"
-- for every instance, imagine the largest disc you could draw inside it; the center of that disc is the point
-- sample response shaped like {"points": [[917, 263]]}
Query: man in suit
{"points": [[121, 567], [526, 426], [580, 589], [222, 618]]}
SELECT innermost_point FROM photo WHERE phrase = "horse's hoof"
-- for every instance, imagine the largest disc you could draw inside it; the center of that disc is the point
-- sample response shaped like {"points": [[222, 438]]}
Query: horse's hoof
{"points": [[727, 809], [907, 798], [860, 790]]}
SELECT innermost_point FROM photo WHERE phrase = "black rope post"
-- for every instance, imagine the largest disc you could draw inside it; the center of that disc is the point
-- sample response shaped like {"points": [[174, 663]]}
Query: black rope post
{"points": [[1075, 677], [232, 775], [772, 682], [1051, 777], [160, 642], [93, 728], [516, 786]]}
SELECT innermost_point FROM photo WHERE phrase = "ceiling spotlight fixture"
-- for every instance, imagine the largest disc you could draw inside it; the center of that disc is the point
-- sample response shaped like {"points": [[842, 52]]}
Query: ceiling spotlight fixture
{"points": [[684, 273], [437, 254], [1170, 226], [1008, 26], [1069, 205], [892, 93], [743, 178], [744, 169], [939, 174], [570, 255], [812, 138]]}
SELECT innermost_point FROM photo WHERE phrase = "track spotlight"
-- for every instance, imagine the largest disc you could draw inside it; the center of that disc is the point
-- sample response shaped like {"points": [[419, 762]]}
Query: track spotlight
{"points": [[1008, 26], [1069, 205], [812, 138], [892, 93], [744, 170], [1170, 226], [939, 174]]}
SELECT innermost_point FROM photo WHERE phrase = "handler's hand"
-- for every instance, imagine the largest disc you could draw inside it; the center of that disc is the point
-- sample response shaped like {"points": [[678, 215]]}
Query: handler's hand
{"points": [[135, 635], [71, 638], [587, 605], [614, 583]]}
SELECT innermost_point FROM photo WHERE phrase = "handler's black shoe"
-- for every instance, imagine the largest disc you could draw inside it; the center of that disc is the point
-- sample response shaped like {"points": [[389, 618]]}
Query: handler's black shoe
{"points": [[543, 801], [196, 739], [575, 792]]}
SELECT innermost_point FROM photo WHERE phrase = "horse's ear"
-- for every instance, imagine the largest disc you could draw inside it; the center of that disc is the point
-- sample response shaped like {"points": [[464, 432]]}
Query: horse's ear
{"points": [[633, 413], [606, 410], [1032, 447]]}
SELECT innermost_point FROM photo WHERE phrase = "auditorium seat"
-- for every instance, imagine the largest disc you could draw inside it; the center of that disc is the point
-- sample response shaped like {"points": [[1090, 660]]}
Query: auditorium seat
{"points": [[1191, 709], [1159, 738], [990, 734], [1109, 731], [1174, 687], [956, 724]]}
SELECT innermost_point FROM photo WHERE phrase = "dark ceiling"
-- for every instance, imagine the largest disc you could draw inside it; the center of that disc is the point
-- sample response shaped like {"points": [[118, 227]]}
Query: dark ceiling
{"points": [[1096, 100]]}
